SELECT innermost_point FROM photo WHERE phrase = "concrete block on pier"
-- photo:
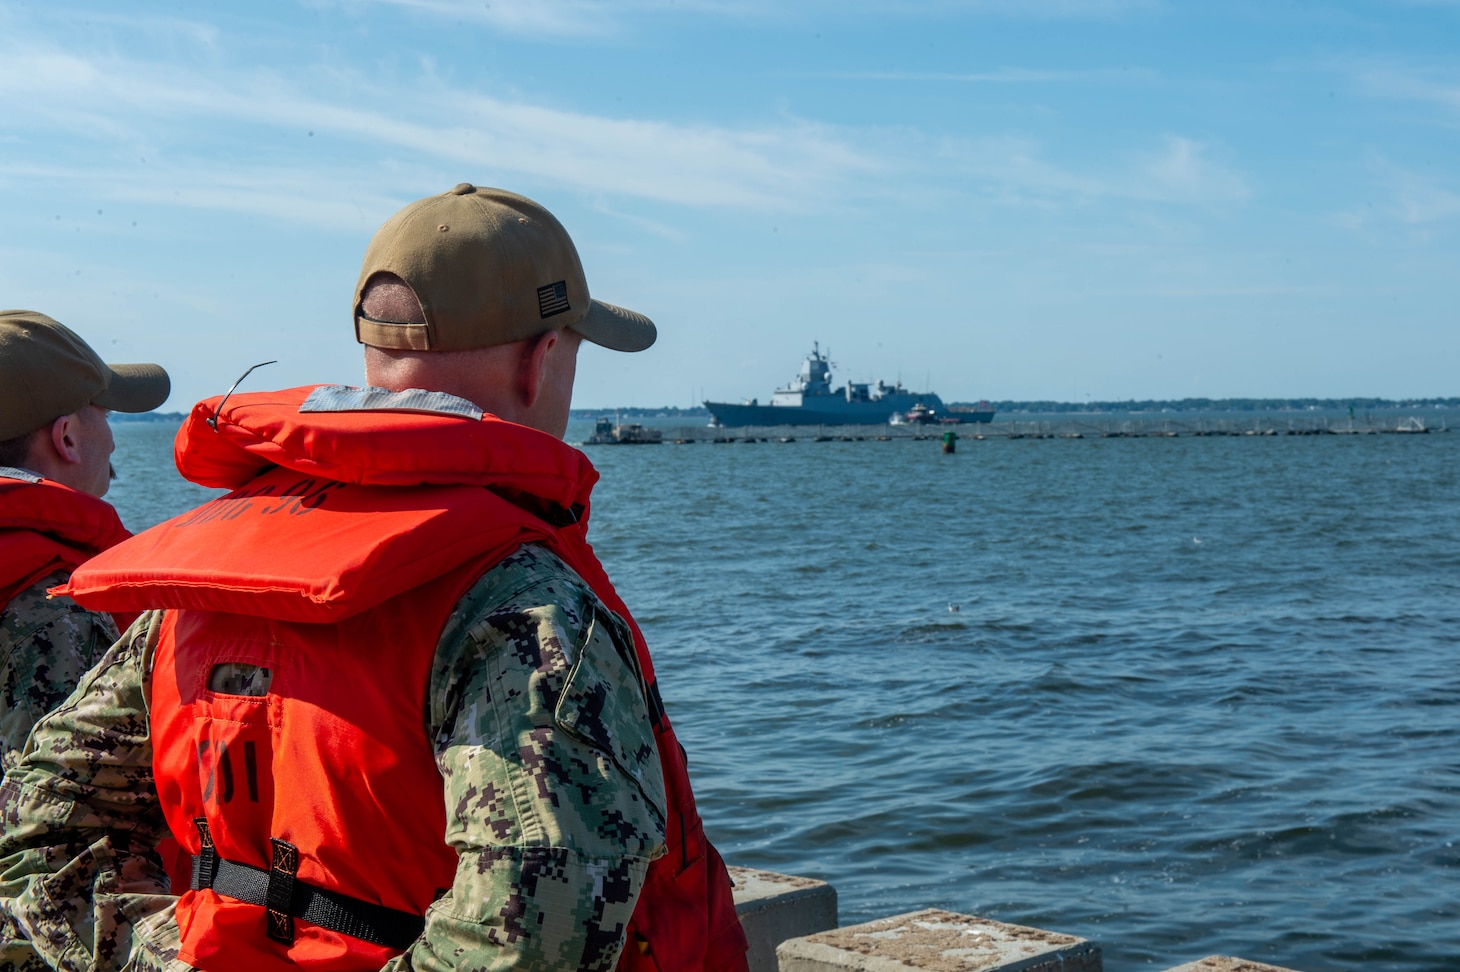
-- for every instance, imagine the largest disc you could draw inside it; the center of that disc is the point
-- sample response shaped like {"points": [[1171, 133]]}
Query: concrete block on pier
{"points": [[774, 907], [1225, 963], [939, 941]]}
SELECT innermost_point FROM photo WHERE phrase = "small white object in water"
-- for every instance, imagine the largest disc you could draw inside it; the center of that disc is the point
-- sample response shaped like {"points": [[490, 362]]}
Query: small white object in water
{"points": [[954, 608], [1196, 540]]}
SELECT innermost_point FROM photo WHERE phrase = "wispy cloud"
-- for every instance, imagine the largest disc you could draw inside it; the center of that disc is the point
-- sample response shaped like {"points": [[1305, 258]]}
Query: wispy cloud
{"points": [[1417, 199], [367, 132], [1410, 84], [118, 102], [287, 195], [572, 20], [1181, 171], [549, 20], [1196, 292], [1176, 170], [1423, 202], [1002, 75], [1412, 199]]}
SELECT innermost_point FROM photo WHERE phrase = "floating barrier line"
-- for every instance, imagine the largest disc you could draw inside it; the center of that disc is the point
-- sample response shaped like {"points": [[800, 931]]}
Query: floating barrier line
{"points": [[1073, 429]]}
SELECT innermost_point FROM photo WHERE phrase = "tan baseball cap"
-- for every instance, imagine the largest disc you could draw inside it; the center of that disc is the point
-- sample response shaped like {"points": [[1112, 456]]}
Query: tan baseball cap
{"points": [[46, 371], [489, 267]]}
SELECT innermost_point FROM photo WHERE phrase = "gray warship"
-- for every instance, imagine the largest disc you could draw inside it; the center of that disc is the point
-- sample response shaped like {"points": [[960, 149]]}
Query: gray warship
{"points": [[810, 400]]}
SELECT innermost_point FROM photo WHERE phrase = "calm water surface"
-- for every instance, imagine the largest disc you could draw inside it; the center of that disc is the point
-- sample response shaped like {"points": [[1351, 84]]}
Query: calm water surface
{"points": [[1179, 696]]}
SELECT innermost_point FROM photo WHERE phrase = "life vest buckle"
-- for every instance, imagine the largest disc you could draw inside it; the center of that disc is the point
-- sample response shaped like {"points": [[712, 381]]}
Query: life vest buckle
{"points": [[279, 896], [205, 864]]}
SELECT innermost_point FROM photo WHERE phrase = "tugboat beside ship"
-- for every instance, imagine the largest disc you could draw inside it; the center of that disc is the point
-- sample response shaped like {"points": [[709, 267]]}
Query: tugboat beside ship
{"points": [[611, 433], [810, 400], [921, 414]]}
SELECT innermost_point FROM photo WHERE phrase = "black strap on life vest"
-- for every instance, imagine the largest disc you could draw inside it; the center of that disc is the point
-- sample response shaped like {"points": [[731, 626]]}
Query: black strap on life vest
{"points": [[284, 897], [656, 705]]}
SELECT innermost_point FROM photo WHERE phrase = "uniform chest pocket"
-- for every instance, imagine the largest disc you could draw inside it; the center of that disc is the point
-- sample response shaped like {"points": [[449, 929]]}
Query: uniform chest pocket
{"points": [[240, 678], [236, 723]]}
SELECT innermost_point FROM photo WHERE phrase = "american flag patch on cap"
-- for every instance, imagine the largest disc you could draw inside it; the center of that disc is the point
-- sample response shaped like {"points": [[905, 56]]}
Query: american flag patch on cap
{"points": [[553, 299]]}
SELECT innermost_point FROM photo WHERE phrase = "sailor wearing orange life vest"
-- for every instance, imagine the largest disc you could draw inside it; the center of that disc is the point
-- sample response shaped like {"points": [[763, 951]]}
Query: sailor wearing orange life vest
{"points": [[394, 707], [55, 450]]}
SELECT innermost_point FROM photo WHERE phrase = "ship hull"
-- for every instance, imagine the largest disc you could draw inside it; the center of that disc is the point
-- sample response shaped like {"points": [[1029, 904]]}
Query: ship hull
{"points": [[969, 417], [833, 412]]}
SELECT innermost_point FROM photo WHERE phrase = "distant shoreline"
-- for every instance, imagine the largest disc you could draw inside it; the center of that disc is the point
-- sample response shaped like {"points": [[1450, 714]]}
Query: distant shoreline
{"points": [[1132, 406], [1006, 408]]}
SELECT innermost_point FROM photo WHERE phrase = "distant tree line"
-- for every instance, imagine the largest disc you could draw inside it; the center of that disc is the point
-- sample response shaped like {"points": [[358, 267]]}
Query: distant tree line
{"points": [[638, 411], [1223, 404], [174, 417], [1129, 405]]}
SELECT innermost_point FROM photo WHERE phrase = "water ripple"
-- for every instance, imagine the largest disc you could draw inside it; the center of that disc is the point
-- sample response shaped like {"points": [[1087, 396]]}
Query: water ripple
{"points": [[1181, 696]]}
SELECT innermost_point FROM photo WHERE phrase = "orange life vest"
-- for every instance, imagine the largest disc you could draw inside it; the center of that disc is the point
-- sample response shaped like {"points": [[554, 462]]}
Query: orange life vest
{"points": [[46, 527], [335, 561]]}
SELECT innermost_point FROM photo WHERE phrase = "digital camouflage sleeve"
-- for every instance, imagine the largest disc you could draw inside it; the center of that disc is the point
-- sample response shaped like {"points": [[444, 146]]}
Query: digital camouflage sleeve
{"points": [[77, 814], [46, 645], [554, 795]]}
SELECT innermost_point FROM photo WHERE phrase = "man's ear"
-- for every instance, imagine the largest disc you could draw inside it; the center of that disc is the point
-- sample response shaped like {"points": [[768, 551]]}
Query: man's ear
{"points": [[65, 436], [533, 370]]}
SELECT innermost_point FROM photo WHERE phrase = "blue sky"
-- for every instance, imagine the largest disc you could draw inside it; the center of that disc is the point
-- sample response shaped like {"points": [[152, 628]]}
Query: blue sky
{"points": [[1009, 200]]}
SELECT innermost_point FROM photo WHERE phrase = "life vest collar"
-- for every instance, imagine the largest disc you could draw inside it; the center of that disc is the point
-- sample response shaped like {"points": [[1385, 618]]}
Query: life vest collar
{"points": [[29, 501], [370, 436], [344, 505], [348, 398], [46, 526], [24, 475]]}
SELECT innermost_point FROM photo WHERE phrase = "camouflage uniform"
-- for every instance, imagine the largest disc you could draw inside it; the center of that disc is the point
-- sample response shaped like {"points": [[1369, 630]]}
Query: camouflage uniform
{"points": [[46, 645], [553, 788]]}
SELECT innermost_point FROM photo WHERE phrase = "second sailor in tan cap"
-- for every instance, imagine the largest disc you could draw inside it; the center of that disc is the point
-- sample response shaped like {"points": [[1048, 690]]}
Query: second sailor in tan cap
{"points": [[55, 465]]}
